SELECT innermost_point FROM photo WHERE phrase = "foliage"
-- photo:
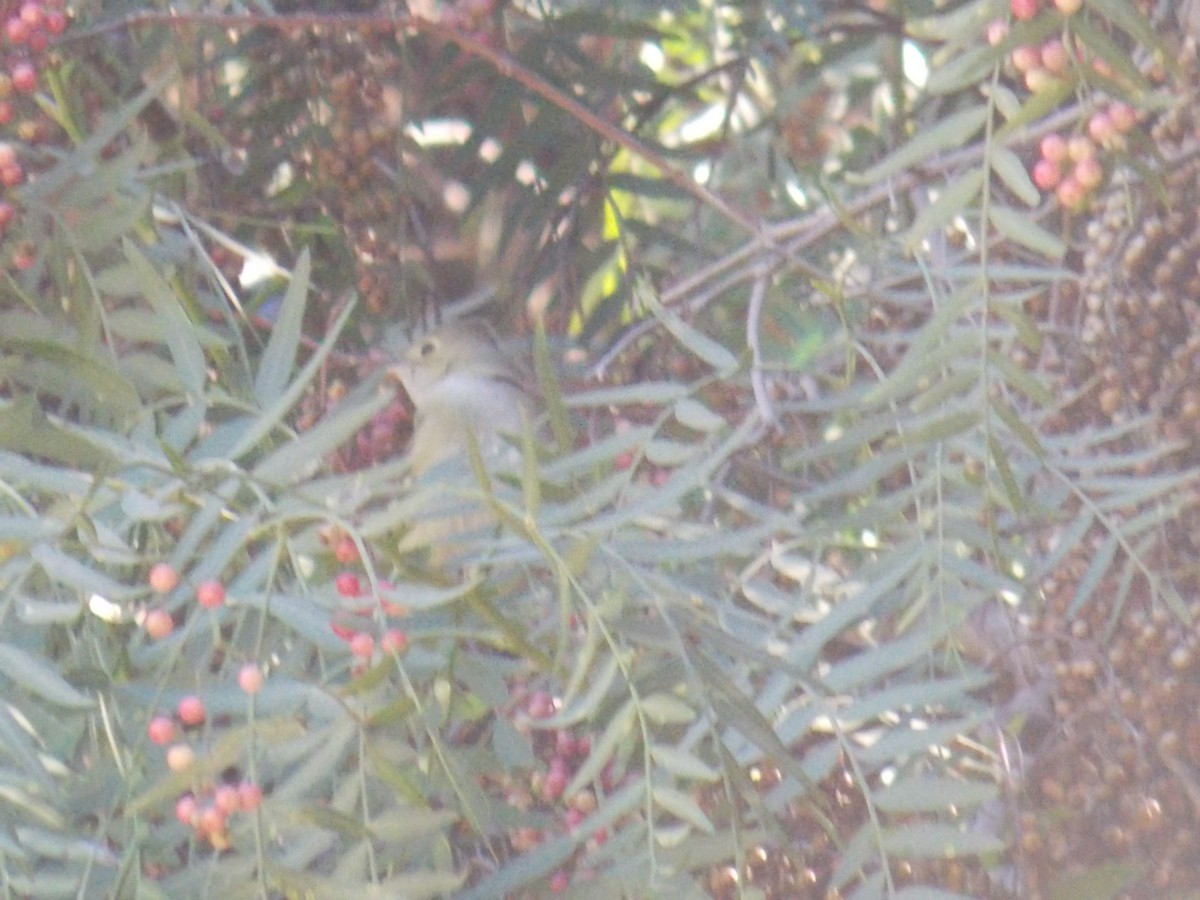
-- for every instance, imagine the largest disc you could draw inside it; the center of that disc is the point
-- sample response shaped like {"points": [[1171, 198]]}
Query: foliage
{"points": [[731, 610]]}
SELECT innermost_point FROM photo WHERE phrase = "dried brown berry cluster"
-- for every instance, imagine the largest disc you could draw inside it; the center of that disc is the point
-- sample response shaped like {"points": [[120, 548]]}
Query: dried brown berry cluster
{"points": [[1115, 778]]}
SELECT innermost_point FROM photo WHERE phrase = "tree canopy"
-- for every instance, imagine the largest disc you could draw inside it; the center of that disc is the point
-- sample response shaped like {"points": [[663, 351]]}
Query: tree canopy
{"points": [[849, 553]]}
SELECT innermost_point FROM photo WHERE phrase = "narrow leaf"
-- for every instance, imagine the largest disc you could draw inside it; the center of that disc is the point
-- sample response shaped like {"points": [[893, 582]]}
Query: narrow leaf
{"points": [[279, 358], [1022, 229], [39, 677], [955, 130]]}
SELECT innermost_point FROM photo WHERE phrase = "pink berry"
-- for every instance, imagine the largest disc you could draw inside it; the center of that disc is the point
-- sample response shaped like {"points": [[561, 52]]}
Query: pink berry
{"points": [[8, 212], [997, 31], [250, 795], [212, 820], [1055, 57], [1070, 194], [394, 641], [56, 22], [564, 744], [1101, 128], [24, 77], [1123, 116], [1080, 147], [158, 623], [225, 798], [250, 678], [38, 41], [1039, 80], [8, 154], [1023, 9], [163, 578], [187, 810], [553, 785], [31, 14], [191, 710], [1026, 58], [540, 705], [17, 30], [11, 176], [362, 645], [24, 257], [560, 881], [1046, 174], [346, 551], [161, 730], [210, 594], [348, 585], [1088, 172], [1054, 147], [180, 757]]}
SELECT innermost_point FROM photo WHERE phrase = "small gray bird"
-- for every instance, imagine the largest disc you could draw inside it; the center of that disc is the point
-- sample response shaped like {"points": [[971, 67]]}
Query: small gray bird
{"points": [[461, 382]]}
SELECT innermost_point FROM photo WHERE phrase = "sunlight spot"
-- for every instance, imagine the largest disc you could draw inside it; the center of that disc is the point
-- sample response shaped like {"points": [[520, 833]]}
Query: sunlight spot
{"points": [[704, 125], [438, 132], [103, 608], [796, 193], [652, 57], [916, 67]]}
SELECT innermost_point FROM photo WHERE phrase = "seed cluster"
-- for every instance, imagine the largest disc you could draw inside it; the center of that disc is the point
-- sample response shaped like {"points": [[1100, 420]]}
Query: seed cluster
{"points": [[1115, 777]]}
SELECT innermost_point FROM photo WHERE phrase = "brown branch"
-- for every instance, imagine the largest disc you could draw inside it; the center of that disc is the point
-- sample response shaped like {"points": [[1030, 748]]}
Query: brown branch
{"points": [[505, 64]]}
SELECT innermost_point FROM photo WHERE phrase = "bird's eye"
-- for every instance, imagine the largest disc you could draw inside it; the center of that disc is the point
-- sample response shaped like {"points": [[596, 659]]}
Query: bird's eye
{"points": [[427, 348]]}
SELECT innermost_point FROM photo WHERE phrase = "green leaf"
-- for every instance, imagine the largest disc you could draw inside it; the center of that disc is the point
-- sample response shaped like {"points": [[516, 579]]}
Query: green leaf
{"points": [[177, 328], [552, 397], [666, 709], [26, 429], [683, 806], [682, 764], [302, 457], [36, 675], [931, 793], [1022, 229], [695, 415], [936, 841], [952, 201], [956, 130], [258, 427], [1125, 16], [1012, 172], [618, 730], [711, 352], [66, 570], [964, 69], [651, 393], [279, 358]]}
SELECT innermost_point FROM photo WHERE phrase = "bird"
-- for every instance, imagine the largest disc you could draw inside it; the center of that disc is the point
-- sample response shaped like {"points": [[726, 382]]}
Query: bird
{"points": [[463, 385]]}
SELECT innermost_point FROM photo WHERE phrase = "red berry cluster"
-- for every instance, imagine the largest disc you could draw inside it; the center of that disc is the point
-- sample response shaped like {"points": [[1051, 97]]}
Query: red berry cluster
{"points": [[563, 752], [29, 26], [163, 579], [378, 440], [208, 812], [207, 809], [1070, 166], [350, 587]]}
